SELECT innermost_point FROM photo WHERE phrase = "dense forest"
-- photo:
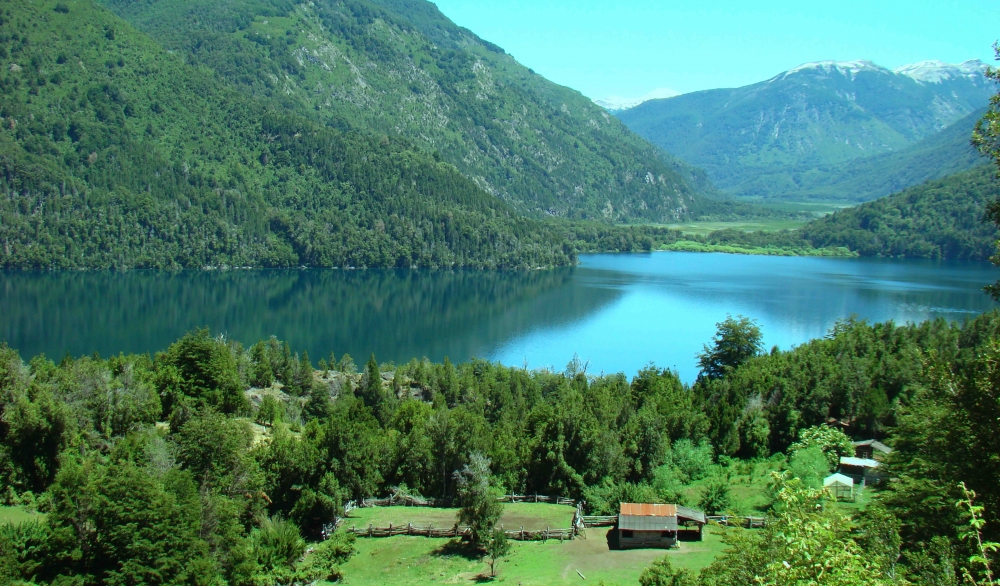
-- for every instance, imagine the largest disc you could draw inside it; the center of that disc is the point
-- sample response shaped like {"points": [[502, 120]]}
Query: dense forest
{"points": [[217, 450], [940, 219]]}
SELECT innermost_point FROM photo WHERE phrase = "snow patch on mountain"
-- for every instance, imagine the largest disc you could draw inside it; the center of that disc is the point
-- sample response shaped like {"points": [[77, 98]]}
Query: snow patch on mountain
{"points": [[847, 68], [618, 104], [939, 71]]}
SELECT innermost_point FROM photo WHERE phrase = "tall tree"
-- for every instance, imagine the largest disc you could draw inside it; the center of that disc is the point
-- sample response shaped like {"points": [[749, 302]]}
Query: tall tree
{"points": [[477, 496], [986, 138], [736, 340]]}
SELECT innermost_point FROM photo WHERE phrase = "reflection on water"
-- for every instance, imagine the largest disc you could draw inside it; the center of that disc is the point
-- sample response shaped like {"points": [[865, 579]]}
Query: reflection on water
{"points": [[395, 314], [671, 302], [617, 311]]}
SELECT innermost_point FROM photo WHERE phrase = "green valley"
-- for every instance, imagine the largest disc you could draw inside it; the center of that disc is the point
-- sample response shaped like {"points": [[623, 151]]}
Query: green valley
{"points": [[940, 219]]}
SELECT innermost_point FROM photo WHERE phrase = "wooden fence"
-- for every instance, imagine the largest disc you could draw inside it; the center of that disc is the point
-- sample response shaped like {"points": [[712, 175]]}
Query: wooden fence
{"points": [[739, 521], [599, 520], [521, 534], [405, 500], [577, 526]]}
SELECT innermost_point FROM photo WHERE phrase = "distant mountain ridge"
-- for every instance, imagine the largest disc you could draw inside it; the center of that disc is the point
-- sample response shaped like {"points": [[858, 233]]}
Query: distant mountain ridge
{"points": [[780, 138]]}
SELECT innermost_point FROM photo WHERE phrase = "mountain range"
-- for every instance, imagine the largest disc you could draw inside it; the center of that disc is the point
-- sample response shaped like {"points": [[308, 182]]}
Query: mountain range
{"points": [[804, 133], [280, 133], [400, 68]]}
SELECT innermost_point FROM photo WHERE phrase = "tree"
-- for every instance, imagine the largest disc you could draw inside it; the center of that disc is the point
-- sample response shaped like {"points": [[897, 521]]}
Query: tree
{"points": [[370, 391], [203, 369], [736, 340], [662, 573], [497, 548], [478, 498], [809, 465], [986, 138], [270, 411], [834, 443]]}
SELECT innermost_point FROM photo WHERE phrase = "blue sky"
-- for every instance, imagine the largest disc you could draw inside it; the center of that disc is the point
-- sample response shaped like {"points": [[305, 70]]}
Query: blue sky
{"points": [[604, 48]]}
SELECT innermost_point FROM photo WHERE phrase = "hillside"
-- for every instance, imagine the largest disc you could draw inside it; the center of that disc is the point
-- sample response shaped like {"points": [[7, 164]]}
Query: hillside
{"points": [[800, 134], [939, 219], [116, 153], [400, 68], [868, 178]]}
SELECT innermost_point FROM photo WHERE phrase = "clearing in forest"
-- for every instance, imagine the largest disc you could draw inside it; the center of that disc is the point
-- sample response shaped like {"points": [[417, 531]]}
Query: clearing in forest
{"points": [[422, 560]]}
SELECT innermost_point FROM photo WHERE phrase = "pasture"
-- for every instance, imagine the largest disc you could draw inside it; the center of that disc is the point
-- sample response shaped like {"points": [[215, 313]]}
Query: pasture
{"points": [[421, 560]]}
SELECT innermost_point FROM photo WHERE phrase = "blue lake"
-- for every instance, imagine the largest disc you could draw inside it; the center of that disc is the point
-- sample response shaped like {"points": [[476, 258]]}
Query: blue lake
{"points": [[618, 312]]}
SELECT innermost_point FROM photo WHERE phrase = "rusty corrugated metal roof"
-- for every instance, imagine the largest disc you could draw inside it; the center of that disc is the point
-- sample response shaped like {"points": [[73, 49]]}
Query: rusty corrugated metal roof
{"points": [[647, 510]]}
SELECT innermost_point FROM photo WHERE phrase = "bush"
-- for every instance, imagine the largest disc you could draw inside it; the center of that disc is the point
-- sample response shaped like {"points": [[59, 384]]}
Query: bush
{"points": [[324, 561], [716, 498], [662, 573]]}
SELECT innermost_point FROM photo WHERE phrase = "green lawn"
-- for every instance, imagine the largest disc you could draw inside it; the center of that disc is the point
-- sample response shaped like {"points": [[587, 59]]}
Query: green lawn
{"points": [[421, 560], [531, 516], [18, 515]]}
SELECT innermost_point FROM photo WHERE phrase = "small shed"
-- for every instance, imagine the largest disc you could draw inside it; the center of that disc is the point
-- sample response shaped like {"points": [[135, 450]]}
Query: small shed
{"points": [[840, 485], [871, 449], [657, 525], [863, 470]]}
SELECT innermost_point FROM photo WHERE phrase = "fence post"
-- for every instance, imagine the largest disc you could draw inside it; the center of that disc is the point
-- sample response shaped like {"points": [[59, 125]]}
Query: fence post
{"points": [[370, 528], [430, 529], [522, 532]]}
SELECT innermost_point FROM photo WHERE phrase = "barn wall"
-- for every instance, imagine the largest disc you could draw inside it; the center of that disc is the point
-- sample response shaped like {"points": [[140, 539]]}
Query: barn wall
{"points": [[646, 539]]}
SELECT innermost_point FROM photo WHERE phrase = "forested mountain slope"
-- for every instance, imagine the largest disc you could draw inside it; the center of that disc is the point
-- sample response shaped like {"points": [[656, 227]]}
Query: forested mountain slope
{"points": [[115, 153], [787, 137], [939, 219], [867, 178], [401, 68]]}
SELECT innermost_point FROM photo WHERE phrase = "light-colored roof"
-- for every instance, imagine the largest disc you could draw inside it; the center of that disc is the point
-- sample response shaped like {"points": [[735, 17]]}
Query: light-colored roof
{"points": [[647, 510], [686, 513], [838, 479], [863, 462], [875, 444]]}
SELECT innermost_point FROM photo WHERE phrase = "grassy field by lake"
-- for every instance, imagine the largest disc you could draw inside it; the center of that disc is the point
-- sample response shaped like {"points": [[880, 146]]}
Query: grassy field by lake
{"points": [[757, 225]]}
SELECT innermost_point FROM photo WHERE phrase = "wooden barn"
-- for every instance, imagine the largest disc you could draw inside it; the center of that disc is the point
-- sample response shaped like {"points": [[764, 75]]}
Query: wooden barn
{"points": [[657, 526]]}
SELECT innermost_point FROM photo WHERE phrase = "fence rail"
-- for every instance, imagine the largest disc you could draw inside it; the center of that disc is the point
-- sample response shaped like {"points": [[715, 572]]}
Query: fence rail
{"points": [[599, 520], [458, 531], [406, 500], [739, 521]]}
